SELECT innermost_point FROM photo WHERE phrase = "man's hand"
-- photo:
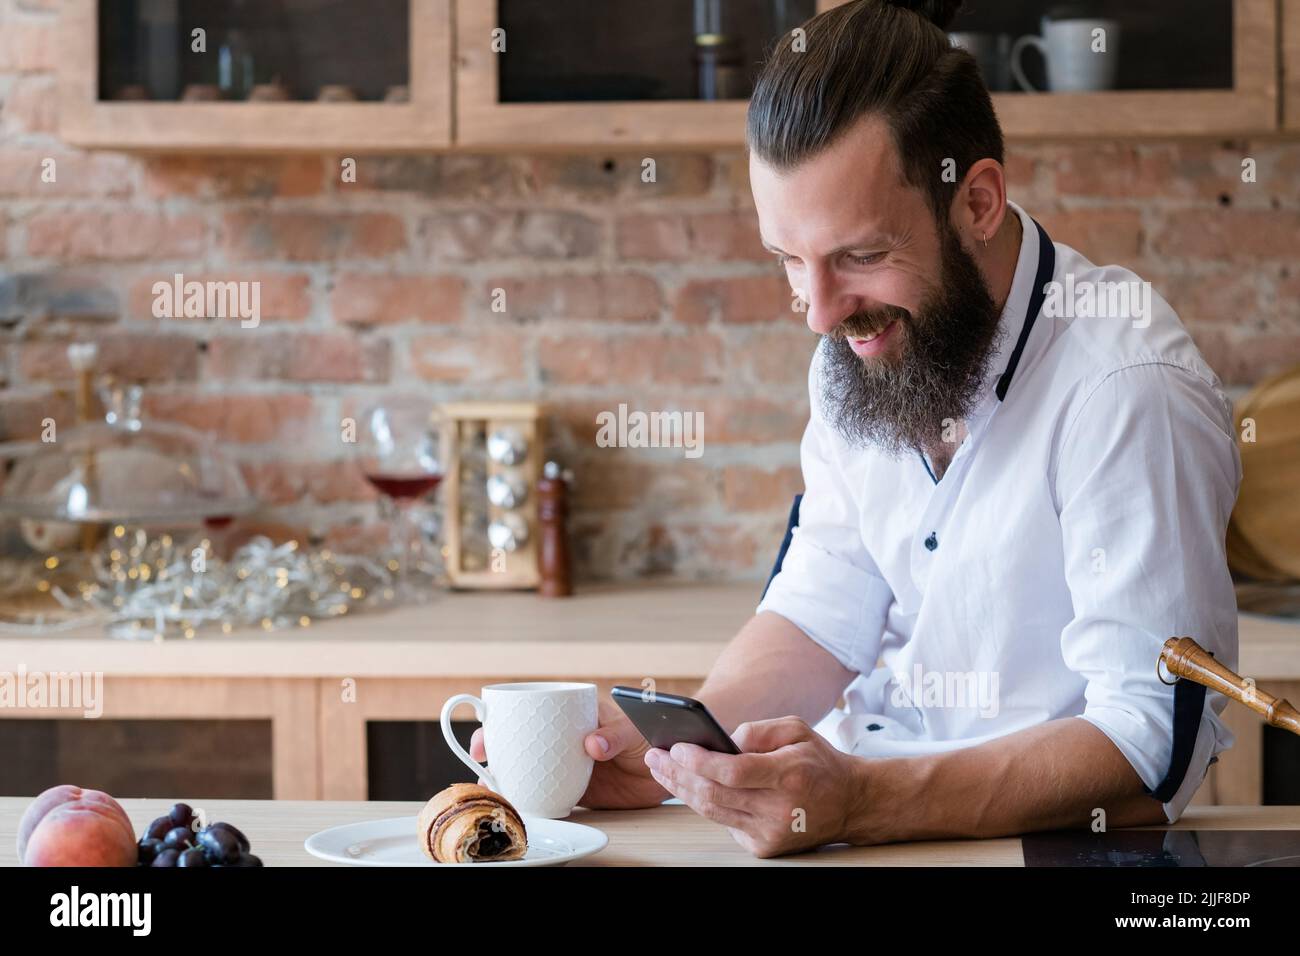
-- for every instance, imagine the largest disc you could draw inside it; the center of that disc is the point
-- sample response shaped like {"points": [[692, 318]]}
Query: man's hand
{"points": [[790, 789], [620, 779]]}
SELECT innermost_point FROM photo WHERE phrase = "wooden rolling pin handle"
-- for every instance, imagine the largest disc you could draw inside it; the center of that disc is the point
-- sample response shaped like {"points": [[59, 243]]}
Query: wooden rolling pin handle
{"points": [[1183, 657]]}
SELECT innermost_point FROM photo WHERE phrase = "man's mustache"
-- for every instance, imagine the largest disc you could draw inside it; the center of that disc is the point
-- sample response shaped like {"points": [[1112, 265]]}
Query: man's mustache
{"points": [[863, 324]]}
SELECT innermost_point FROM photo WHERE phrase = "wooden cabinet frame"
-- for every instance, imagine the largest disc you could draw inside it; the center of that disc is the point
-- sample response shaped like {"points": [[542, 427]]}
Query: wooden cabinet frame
{"points": [[1250, 107], [454, 101], [424, 122], [483, 122], [1290, 44]]}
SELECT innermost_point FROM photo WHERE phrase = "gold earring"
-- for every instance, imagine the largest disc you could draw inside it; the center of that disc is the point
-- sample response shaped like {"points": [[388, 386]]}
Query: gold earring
{"points": [[986, 240]]}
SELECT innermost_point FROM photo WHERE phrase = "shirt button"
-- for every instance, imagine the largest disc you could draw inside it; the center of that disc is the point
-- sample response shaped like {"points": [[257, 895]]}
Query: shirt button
{"points": [[931, 542]]}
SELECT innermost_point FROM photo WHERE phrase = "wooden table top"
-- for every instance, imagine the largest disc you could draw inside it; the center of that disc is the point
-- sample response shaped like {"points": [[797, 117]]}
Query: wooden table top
{"points": [[669, 835]]}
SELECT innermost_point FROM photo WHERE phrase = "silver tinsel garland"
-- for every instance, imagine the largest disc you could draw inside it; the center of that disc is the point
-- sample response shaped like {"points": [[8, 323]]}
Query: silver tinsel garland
{"points": [[156, 587]]}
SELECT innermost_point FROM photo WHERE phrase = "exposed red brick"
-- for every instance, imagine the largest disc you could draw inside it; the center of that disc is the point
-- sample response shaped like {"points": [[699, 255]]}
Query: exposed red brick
{"points": [[693, 359], [364, 299], [131, 356], [744, 299], [323, 482], [665, 483], [772, 358], [448, 176], [28, 46], [31, 105], [283, 296], [23, 174], [1219, 234], [210, 177], [1104, 236], [311, 236], [688, 237], [617, 297], [287, 418], [747, 488], [22, 413], [468, 356], [475, 235], [254, 354], [1243, 359], [118, 235]]}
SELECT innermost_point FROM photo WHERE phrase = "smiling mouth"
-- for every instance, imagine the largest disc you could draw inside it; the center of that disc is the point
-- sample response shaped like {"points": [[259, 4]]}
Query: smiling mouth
{"points": [[874, 335], [874, 343]]}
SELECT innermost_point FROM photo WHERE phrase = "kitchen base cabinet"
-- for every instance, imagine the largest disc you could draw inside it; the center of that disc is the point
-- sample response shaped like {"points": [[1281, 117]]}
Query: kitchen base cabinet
{"points": [[206, 759], [288, 707], [327, 692]]}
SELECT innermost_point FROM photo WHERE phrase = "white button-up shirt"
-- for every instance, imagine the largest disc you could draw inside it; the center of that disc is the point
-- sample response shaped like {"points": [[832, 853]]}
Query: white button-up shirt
{"points": [[1079, 525]]}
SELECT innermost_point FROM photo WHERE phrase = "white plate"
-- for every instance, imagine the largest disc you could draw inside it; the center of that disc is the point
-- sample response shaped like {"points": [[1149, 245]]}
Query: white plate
{"points": [[393, 842]]}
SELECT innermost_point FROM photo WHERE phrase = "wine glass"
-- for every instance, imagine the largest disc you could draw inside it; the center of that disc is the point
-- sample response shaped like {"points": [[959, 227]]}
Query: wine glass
{"points": [[399, 445]]}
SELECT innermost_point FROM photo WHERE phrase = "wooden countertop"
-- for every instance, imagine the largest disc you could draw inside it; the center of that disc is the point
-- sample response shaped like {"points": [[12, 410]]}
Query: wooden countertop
{"points": [[671, 630], [669, 835]]}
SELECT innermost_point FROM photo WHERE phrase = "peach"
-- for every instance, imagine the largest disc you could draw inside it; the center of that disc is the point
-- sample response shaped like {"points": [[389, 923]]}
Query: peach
{"points": [[69, 826]]}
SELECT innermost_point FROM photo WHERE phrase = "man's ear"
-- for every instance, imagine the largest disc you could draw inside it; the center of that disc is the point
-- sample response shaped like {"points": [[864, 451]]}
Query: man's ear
{"points": [[980, 205]]}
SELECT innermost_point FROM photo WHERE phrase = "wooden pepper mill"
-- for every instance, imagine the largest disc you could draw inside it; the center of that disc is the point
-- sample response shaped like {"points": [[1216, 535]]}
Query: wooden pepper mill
{"points": [[552, 510], [1183, 657]]}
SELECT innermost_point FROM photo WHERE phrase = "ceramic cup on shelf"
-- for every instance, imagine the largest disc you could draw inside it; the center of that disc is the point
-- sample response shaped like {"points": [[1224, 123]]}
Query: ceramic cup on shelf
{"points": [[533, 735], [1077, 62], [992, 51]]}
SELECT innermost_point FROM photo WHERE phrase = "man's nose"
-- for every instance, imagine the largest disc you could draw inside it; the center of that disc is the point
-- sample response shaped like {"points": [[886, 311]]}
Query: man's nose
{"points": [[826, 304]]}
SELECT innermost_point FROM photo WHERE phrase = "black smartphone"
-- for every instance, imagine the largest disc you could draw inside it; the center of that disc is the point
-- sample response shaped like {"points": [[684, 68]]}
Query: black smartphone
{"points": [[666, 719]]}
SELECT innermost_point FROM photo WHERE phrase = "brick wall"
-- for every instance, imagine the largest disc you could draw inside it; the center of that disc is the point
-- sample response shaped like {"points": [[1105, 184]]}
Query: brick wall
{"points": [[654, 294]]}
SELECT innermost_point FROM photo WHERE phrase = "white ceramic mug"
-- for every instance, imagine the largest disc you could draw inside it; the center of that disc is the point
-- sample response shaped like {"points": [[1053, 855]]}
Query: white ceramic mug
{"points": [[533, 734], [1072, 64]]}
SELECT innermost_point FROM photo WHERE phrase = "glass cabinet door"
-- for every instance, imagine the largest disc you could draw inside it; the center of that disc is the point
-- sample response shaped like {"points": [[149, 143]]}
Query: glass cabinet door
{"points": [[675, 72], [257, 74]]}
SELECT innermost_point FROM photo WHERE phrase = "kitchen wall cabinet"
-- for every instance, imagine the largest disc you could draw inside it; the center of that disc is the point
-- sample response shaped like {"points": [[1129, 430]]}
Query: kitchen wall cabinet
{"points": [[558, 87], [115, 51], [487, 117]]}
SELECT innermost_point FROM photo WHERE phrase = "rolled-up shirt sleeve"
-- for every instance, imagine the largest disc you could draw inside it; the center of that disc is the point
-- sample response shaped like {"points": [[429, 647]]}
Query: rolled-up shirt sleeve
{"points": [[1145, 482], [828, 585]]}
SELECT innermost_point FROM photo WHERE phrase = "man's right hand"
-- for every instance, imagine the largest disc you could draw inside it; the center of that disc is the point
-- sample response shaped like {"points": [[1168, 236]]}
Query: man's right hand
{"points": [[620, 780]]}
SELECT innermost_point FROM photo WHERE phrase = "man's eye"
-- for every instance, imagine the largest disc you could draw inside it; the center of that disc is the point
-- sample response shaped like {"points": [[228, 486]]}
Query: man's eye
{"points": [[867, 260]]}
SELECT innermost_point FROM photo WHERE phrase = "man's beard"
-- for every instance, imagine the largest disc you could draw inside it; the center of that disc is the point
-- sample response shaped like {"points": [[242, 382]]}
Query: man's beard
{"points": [[907, 404]]}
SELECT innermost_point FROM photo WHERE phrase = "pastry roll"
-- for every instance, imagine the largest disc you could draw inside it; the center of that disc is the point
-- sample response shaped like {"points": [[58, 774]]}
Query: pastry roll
{"points": [[467, 823]]}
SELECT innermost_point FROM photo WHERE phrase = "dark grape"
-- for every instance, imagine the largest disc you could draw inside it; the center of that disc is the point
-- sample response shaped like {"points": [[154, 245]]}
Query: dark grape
{"points": [[179, 837], [220, 844], [158, 829], [249, 860], [182, 814], [149, 848], [238, 834], [167, 857], [192, 857]]}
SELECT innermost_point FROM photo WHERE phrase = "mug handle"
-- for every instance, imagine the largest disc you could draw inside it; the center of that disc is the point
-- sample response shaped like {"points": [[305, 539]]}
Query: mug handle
{"points": [[480, 711], [1018, 48]]}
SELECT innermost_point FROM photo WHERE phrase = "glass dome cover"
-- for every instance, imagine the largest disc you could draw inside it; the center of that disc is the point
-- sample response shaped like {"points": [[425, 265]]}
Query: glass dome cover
{"points": [[122, 470]]}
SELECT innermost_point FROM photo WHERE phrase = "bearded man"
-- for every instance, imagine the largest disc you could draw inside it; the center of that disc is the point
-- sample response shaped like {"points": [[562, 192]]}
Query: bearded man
{"points": [[1009, 506]]}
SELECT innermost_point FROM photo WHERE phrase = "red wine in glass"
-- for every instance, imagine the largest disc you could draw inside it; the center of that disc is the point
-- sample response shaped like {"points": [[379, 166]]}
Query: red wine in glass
{"points": [[404, 487]]}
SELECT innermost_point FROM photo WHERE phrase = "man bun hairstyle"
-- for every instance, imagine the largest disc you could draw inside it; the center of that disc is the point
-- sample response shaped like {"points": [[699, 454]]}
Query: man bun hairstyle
{"points": [[890, 58], [938, 12]]}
